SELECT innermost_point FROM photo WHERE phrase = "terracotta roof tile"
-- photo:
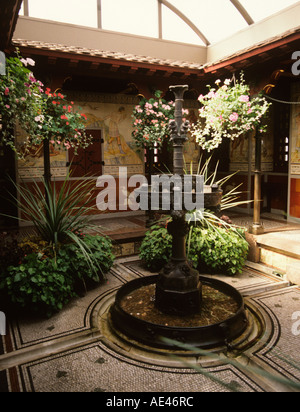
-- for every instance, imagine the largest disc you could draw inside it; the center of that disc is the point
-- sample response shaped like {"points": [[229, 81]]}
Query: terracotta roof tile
{"points": [[106, 54], [148, 59]]}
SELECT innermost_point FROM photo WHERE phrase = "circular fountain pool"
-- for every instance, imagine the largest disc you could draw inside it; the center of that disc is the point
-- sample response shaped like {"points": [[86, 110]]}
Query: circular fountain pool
{"points": [[221, 319]]}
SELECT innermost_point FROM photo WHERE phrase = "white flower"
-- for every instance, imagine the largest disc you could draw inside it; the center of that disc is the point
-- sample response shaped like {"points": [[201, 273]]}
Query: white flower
{"points": [[40, 118], [30, 62], [27, 62], [227, 82]]}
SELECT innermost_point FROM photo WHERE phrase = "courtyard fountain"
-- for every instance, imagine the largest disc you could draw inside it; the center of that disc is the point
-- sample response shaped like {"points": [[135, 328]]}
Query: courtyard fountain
{"points": [[172, 304]]}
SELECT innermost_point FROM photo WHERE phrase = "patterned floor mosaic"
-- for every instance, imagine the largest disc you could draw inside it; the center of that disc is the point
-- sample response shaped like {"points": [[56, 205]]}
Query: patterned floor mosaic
{"points": [[68, 353]]}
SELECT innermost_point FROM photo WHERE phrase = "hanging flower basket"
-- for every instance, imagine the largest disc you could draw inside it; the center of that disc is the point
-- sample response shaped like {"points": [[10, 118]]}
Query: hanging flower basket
{"points": [[151, 122], [40, 114], [61, 124], [228, 112], [20, 100]]}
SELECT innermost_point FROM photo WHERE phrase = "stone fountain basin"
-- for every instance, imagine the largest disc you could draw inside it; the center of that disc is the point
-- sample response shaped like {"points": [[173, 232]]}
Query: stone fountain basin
{"points": [[204, 337]]}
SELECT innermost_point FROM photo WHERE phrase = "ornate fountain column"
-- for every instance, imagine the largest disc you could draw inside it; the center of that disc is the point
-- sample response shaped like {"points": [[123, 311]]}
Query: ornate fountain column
{"points": [[178, 290], [178, 286]]}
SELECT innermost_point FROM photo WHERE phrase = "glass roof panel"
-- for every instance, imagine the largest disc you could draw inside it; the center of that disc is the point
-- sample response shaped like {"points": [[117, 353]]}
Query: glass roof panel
{"points": [[216, 19], [175, 29], [131, 16], [260, 9], [83, 13]]}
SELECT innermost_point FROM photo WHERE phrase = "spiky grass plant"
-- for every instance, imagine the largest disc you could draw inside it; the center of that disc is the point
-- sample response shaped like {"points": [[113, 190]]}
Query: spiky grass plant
{"points": [[59, 215], [238, 361]]}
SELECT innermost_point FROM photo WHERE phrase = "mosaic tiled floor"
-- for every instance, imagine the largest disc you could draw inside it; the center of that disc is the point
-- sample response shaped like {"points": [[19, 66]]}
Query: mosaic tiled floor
{"points": [[69, 353]]}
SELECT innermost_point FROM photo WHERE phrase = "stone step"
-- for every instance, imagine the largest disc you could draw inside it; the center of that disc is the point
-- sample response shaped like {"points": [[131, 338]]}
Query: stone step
{"points": [[281, 252]]}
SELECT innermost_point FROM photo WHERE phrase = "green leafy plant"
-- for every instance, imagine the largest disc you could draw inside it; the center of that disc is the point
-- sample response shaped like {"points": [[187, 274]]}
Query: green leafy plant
{"points": [[213, 243], [101, 255], [219, 250], [213, 249], [45, 279], [228, 112], [61, 216], [43, 285], [156, 248]]}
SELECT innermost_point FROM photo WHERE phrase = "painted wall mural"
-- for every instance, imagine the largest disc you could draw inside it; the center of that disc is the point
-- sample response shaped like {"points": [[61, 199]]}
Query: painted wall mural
{"points": [[239, 151], [295, 154], [295, 131], [112, 115], [114, 119], [116, 123], [32, 166]]}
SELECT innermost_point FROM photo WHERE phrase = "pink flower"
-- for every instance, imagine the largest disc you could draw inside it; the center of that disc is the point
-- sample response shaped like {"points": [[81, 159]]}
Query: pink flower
{"points": [[6, 91], [234, 117], [211, 95], [7, 106], [249, 111], [244, 99]]}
